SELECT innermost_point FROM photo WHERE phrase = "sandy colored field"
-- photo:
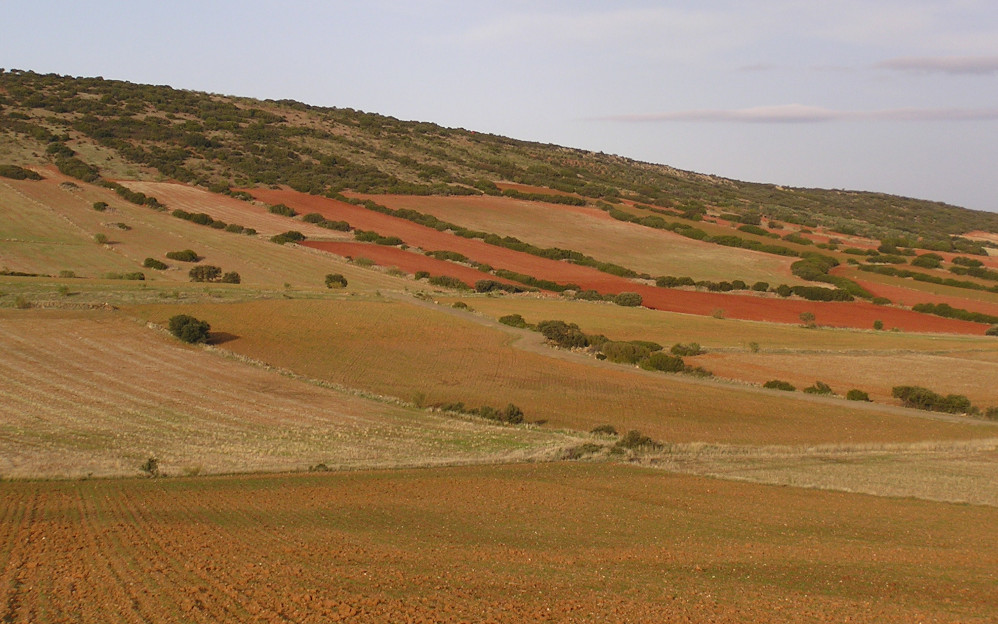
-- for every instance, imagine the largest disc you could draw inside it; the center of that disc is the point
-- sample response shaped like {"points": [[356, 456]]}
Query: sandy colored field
{"points": [[437, 356], [857, 314], [593, 232], [94, 393], [59, 224], [875, 373], [554, 543]]}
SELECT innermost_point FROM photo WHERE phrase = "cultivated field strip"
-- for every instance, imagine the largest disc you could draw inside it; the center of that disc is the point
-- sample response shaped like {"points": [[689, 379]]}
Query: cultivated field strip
{"points": [[428, 355], [503, 544], [93, 393]]}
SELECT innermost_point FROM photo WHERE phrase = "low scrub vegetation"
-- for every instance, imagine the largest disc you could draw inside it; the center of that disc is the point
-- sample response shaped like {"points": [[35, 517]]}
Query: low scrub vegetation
{"points": [[925, 399], [189, 329]]}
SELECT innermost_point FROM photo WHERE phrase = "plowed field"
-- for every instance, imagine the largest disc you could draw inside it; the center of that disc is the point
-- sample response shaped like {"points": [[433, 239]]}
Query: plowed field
{"points": [[857, 314], [553, 543]]}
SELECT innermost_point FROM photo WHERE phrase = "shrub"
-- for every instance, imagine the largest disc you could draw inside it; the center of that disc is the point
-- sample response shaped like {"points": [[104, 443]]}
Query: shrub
{"points": [[565, 335], [609, 430], [878, 324], [991, 413], [231, 278], [335, 280], [153, 263], [624, 352], [291, 236], [186, 255], [588, 295], [150, 467], [100, 206], [634, 440], [234, 228], [189, 329], [205, 273], [928, 261], [818, 388], [100, 238], [857, 395], [513, 320], [760, 286], [628, 299], [992, 331], [777, 384], [446, 281], [664, 362], [925, 399], [421, 274], [18, 173], [487, 285], [685, 350], [281, 209], [313, 217], [807, 319]]}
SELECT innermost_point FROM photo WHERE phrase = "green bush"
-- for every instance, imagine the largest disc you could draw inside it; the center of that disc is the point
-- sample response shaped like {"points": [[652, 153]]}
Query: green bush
{"points": [[624, 352], [231, 278], [100, 238], [291, 236], [608, 430], [513, 320], [925, 399], [628, 299], [777, 384], [100, 206], [446, 281], [18, 173], [281, 209], [686, 350], [205, 273], [335, 280], [818, 388], [661, 361], [565, 335], [635, 440], [153, 263], [186, 255], [992, 331], [857, 395], [189, 329]]}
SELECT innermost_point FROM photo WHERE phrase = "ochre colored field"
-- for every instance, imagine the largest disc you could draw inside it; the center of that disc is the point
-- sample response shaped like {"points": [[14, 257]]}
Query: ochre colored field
{"points": [[92, 393], [857, 314], [554, 543], [875, 373], [972, 300], [431, 356]]}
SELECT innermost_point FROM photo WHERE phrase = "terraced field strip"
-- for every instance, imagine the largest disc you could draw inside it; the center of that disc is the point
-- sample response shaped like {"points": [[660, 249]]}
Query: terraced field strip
{"points": [[668, 328], [593, 232], [433, 357], [229, 209], [93, 393], [152, 233], [856, 314], [554, 542]]}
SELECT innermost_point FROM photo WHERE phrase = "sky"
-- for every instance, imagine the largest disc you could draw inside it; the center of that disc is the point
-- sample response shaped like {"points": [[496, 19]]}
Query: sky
{"points": [[895, 96]]}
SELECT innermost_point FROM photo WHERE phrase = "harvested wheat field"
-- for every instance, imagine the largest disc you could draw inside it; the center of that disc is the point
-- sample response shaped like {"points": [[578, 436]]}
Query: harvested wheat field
{"points": [[431, 356], [92, 393], [553, 543]]}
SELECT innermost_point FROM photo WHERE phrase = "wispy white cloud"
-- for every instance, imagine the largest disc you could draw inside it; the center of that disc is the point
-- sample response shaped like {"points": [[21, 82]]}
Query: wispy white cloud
{"points": [[796, 113], [943, 64]]}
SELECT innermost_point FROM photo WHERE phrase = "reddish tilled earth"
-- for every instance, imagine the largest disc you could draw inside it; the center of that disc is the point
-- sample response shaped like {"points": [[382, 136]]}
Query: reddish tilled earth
{"points": [[747, 307], [910, 296]]}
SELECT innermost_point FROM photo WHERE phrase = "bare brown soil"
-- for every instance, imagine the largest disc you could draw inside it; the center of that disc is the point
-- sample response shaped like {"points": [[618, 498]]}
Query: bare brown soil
{"points": [[552, 543]]}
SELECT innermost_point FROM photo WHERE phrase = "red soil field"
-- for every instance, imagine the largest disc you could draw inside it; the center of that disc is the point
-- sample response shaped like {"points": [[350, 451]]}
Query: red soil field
{"points": [[747, 307], [911, 296]]}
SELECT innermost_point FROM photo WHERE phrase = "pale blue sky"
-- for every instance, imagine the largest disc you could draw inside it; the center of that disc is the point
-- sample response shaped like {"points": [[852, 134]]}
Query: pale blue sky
{"points": [[898, 96]]}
